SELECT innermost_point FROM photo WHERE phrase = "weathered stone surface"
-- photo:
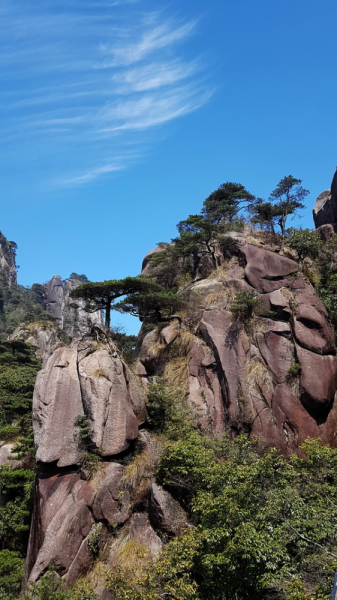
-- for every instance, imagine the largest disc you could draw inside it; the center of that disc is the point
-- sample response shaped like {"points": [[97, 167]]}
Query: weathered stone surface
{"points": [[57, 403], [106, 400], [87, 378], [326, 231], [81, 563], [43, 337], [165, 513], [170, 332], [230, 345], [318, 382], [266, 270], [108, 504], [277, 349], [278, 302], [70, 314], [76, 320], [247, 384], [61, 521], [325, 209], [54, 299], [146, 356], [65, 509], [204, 392], [142, 532]]}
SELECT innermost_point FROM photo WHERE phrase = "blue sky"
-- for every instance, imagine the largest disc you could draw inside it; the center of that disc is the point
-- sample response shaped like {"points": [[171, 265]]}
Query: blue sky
{"points": [[119, 117]]}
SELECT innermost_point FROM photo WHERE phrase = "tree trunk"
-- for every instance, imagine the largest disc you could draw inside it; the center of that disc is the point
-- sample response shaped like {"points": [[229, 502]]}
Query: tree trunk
{"points": [[107, 315]]}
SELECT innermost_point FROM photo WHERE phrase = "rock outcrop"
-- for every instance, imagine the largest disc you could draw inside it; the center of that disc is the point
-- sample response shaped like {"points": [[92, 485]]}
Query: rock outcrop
{"points": [[7, 260], [325, 209], [45, 337], [69, 320], [274, 377], [87, 378], [70, 315]]}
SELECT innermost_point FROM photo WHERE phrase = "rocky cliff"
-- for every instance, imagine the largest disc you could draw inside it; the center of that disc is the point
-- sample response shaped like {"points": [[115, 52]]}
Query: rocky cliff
{"points": [[69, 319], [262, 377], [274, 376], [7, 260], [70, 316]]}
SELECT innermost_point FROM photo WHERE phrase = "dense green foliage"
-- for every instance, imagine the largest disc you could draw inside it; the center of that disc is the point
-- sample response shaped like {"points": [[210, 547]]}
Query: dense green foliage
{"points": [[19, 304], [263, 526], [306, 243], [52, 587], [17, 377], [11, 573], [263, 522]]}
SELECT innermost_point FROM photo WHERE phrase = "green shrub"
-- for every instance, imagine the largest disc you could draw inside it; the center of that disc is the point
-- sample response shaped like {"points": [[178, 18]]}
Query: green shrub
{"points": [[263, 521], [306, 243], [245, 306], [11, 573], [294, 370]]}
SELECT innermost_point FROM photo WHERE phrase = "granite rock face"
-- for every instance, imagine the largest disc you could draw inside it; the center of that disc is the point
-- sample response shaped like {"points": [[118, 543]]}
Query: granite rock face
{"points": [[7, 260], [325, 209], [87, 378], [274, 377], [44, 337], [65, 512], [70, 315]]}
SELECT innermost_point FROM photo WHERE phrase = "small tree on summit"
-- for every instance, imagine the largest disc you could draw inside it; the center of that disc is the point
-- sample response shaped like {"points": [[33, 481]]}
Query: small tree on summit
{"points": [[224, 204], [197, 236], [102, 295]]}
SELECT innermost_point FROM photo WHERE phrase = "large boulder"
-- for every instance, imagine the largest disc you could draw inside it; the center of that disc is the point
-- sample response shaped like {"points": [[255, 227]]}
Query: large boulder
{"points": [[57, 403], [66, 511], [166, 514], [85, 379]]}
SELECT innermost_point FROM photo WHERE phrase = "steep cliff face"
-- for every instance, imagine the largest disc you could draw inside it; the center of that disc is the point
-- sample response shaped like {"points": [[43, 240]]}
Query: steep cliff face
{"points": [[7, 260], [87, 379], [274, 377], [70, 320], [71, 316]]}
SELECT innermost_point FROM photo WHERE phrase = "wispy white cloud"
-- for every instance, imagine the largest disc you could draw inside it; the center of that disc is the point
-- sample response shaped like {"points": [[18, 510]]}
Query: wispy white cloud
{"points": [[91, 174], [156, 37], [91, 78]]}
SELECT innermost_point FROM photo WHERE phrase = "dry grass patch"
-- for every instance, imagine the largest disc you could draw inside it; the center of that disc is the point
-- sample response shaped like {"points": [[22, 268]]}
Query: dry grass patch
{"points": [[259, 377], [225, 297], [138, 475]]}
